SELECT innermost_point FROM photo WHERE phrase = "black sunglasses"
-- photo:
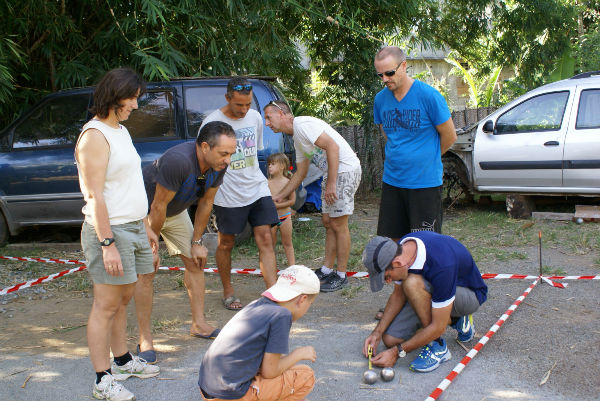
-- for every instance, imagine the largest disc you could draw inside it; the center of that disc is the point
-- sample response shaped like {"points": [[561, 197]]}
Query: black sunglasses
{"points": [[247, 87], [389, 73]]}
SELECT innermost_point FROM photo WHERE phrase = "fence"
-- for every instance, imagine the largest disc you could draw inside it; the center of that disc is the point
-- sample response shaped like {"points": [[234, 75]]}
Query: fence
{"points": [[370, 148]]}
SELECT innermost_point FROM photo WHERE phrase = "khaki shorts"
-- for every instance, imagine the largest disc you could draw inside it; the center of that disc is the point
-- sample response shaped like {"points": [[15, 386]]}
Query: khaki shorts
{"points": [[177, 232], [346, 185], [293, 385], [131, 241]]}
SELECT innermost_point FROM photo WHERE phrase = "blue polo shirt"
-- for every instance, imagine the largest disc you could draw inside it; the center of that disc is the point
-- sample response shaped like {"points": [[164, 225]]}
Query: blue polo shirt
{"points": [[446, 264]]}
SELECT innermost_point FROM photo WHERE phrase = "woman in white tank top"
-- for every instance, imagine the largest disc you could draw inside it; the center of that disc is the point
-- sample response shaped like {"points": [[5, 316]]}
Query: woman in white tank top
{"points": [[116, 238]]}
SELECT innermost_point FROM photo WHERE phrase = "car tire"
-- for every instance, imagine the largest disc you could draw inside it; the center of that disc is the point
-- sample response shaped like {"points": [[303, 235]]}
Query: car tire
{"points": [[455, 187], [4, 234]]}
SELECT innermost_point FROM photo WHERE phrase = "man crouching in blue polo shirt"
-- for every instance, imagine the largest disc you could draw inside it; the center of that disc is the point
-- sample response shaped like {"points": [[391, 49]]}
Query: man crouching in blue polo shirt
{"points": [[436, 283]]}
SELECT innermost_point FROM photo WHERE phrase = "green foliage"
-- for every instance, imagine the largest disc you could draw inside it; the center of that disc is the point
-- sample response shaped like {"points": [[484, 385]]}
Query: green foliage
{"points": [[481, 87], [50, 45], [587, 53]]}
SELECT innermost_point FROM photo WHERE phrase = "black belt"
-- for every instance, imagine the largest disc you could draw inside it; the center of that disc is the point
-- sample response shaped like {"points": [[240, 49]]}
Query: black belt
{"points": [[206, 396]]}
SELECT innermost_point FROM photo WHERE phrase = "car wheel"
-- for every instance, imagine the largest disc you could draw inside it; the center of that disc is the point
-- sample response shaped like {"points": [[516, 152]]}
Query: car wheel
{"points": [[3, 231], [455, 187]]}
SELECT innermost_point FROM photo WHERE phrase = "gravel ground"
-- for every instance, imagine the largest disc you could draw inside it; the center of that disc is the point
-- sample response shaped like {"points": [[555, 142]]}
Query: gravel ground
{"points": [[43, 348]]}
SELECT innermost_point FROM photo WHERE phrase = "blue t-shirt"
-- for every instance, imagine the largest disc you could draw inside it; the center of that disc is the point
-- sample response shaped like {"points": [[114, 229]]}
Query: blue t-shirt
{"points": [[412, 152], [448, 264], [177, 170], [234, 358]]}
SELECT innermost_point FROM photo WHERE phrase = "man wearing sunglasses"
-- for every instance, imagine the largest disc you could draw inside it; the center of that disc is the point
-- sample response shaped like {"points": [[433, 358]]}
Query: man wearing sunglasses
{"points": [[186, 174], [244, 196], [415, 120], [318, 143]]}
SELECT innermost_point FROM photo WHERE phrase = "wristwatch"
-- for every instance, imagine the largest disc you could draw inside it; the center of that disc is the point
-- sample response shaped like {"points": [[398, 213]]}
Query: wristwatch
{"points": [[107, 241], [401, 352], [197, 242]]}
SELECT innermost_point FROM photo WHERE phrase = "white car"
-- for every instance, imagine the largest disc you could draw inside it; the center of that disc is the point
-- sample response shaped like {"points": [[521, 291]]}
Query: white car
{"points": [[546, 142]]}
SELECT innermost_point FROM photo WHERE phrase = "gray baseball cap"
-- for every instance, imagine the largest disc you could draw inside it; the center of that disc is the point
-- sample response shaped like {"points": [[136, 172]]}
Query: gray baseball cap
{"points": [[376, 257]]}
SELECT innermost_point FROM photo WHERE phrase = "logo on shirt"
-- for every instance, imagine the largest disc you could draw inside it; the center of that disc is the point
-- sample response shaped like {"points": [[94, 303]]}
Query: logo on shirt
{"points": [[409, 119], [317, 157], [245, 152]]}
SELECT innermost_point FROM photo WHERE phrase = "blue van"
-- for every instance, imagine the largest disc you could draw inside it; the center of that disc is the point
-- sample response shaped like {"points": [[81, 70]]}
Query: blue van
{"points": [[38, 178]]}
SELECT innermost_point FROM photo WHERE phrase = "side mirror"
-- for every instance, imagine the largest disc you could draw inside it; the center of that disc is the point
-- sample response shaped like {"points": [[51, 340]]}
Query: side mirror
{"points": [[488, 127]]}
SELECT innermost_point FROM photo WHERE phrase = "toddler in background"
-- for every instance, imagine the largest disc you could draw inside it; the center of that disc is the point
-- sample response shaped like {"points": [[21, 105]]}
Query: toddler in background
{"points": [[278, 167]]}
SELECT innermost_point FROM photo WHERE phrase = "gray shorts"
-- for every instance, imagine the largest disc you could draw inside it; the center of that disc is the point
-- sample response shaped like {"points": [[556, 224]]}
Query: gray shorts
{"points": [[345, 187], [131, 241], [406, 323]]}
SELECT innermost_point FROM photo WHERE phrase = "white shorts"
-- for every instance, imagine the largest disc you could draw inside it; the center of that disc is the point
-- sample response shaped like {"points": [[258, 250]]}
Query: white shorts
{"points": [[346, 185]]}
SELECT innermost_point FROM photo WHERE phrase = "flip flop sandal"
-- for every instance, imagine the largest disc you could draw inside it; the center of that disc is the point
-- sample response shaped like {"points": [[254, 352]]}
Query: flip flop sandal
{"points": [[379, 314], [210, 336], [232, 300]]}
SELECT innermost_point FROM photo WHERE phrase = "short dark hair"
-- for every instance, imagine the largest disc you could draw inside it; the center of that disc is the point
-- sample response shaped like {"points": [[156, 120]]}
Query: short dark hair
{"points": [[210, 133], [116, 85], [235, 81]]}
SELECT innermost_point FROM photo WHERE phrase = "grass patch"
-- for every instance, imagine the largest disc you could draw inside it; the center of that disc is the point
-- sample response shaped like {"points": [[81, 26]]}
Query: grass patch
{"points": [[166, 325], [351, 291], [552, 271]]}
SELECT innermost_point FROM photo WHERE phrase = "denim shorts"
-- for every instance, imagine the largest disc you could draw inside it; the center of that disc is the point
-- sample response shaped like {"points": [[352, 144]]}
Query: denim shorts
{"points": [[131, 241]]}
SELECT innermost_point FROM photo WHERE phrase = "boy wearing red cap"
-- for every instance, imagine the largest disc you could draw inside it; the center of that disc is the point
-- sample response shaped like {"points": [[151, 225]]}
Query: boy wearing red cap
{"points": [[250, 356]]}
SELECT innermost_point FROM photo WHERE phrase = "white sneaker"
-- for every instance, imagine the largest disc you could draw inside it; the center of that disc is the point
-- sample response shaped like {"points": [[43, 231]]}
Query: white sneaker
{"points": [[111, 390], [137, 367]]}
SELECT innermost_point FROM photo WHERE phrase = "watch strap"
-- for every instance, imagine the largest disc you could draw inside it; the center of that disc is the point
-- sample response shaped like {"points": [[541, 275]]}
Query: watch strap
{"points": [[107, 241]]}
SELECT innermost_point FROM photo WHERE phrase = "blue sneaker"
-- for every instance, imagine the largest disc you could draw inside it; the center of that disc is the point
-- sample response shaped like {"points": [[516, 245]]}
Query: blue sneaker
{"points": [[465, 328], [431, 356]]}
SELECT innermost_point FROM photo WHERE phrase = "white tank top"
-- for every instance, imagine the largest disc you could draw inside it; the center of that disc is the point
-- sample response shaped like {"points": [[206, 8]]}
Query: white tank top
{"points": [[124, 191]]}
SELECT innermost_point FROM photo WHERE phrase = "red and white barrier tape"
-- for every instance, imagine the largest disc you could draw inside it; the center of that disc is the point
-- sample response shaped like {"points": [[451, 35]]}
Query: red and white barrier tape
{"points": [[250, 272], [485, 276], [471, 354], [40, 280], [44, 260]]}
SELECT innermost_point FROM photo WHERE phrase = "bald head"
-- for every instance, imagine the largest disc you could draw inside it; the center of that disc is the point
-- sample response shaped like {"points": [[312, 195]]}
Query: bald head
{"points": [[392, 51]]}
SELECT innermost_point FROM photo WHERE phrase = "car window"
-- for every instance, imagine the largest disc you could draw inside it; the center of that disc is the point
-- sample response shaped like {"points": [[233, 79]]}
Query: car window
{"points": [[540, 113], [588, 115], [154, 118], [200, 102], [56, 122]]}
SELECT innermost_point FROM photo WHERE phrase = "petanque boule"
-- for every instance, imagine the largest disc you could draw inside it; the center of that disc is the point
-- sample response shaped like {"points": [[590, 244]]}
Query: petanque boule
{"points": [[370, 377], [387, 374]]}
